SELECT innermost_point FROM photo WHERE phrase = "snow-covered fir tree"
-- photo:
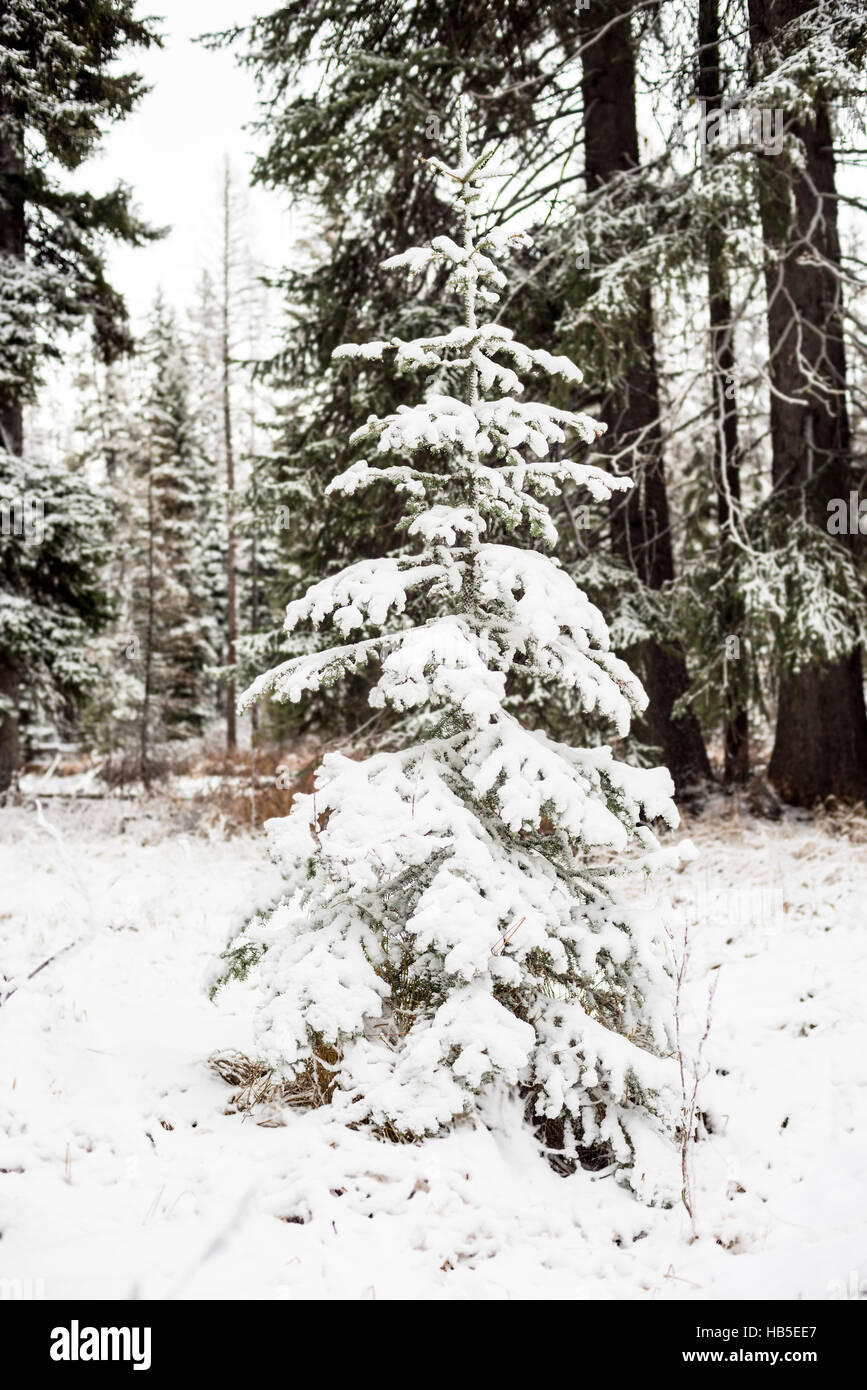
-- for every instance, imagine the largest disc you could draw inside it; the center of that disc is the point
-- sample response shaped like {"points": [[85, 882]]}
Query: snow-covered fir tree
{"points": [[101, 447], [54, 540], [452, 923], [62, 84], [169, 638], [205, 373]]}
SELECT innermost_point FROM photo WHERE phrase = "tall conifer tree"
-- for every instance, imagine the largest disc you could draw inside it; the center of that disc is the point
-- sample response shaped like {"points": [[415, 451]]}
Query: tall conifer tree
{"points": [[59, 85], [168, 618]]}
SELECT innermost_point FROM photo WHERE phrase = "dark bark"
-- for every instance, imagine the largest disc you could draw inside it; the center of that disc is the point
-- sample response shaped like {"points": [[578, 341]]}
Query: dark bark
{"points": [[736, 745], [823, 748], [10, 746], [11, 244], [726, 454], [820, 745], [11, 430], [641, 529]]}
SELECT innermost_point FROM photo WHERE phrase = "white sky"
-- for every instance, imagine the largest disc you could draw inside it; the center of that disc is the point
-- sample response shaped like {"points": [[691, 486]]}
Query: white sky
{"points": [[171, 152]]}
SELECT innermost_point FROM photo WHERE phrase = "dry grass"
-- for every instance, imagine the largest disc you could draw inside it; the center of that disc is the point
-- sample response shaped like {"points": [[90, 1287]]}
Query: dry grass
{"points": [[260, 1092], [255, 787], [202, 786], [238, 804], [258, 785], [61, 766], [838, 819]]}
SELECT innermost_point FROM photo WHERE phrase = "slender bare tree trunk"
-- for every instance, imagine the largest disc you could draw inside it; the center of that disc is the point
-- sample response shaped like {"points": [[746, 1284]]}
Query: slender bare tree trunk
{"points": [[726, 453], [254, 603], [228, 447], [820, 745], [144, 730], [641, 529]]}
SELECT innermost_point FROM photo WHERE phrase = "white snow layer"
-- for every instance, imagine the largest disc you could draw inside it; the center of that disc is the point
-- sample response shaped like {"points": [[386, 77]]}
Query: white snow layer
{"points": [[121, 1175]]}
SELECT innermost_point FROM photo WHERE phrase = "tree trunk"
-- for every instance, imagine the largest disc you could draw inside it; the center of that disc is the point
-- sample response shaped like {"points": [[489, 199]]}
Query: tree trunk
{"points": [[726, 456], [228, 447], [11, 429], [641, 531], [145, 729], [254, 600], [820, 745], [10, 745]]}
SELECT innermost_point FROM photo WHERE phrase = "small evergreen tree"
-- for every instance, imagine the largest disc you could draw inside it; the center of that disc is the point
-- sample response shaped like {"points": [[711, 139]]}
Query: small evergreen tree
{"points": [[451, 922], [53, 545], [380, 100]]}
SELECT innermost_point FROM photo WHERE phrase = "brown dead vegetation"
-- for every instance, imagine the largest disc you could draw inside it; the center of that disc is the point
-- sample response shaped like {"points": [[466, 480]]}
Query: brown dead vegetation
{"points": [[260, 1092]]}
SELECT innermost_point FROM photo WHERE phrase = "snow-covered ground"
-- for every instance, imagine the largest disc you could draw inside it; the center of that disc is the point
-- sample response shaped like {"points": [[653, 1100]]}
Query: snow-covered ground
{"points": [[121, 1175]]}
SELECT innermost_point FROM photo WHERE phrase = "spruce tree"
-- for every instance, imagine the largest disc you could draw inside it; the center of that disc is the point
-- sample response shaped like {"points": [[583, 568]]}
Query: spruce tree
{"points": [[388, 84], [59, 85], [205, 397], [381, 99], [53, 548], [452, 922], [169, 625]]}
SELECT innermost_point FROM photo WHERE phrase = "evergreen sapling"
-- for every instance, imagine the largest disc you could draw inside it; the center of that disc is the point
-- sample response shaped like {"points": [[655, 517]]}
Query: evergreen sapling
{"points": [[451, 924]]}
